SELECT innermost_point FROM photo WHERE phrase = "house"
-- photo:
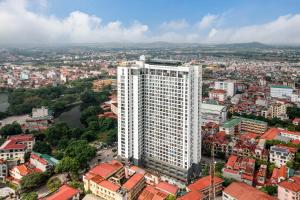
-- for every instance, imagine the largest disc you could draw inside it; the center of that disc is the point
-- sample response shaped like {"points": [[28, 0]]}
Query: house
{"points": [[213, 113], [3, 169], [280, 154], [280, 134], [202, 186], [65, 192], [19, 171], [168, 188], [42, 161], [296, 121], [15, 147], [218, 95], [106, 181], [261, 175], [242, 191], [240, 169], [281, 174], [151, 193], [289, 189]]}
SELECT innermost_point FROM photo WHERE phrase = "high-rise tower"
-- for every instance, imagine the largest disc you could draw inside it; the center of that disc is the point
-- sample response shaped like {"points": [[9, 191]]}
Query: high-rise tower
{"points": [[159, 115]]}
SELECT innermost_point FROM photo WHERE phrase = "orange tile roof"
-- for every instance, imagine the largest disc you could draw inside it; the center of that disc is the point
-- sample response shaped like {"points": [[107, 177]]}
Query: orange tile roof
{"points": [[167, 187], [231, 161], [65, 192], [281, 172], [273, 132], [133, 181], [292, 184], [203, 183], [193, 195], [242, 191], [106, 169], [150, 193], [109, 185]]}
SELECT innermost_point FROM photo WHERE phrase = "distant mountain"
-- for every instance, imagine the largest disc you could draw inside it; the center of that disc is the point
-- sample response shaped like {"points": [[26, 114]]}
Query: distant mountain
{"points": [[251, 45]]}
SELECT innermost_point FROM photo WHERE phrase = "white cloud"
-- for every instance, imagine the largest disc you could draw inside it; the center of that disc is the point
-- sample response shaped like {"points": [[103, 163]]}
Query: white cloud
{"points": [[175, 25], [207, 21], [18, 24]]}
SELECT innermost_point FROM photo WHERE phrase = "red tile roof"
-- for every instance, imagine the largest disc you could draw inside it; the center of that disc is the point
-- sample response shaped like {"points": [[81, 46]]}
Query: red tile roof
{"points": [[242, 191], [231, 161], [21, 137], [106, 169], [39, 159], [133, 181], [150, 193], [109, 185], [167, 187], [203, 183], [193, 195], [281, 172], [13, 142], [218, 91], [292, 184], [273, 132], [65, 192]]}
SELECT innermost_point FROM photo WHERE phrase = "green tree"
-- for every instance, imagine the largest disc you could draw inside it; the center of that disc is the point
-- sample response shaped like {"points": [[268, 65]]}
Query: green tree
{"points": [[81, 151], [67, 164], [42, 147], [29, 196], [10, 129], [269, 189], [171, 197], [33, 181], [53, 184]]}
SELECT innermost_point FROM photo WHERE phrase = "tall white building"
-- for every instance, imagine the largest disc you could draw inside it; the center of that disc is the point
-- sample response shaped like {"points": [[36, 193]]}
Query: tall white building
{"points": [[228, 86], [159, 124]]}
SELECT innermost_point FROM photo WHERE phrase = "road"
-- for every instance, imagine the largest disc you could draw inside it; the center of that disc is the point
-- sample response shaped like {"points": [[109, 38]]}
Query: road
{"points": [[103, 155]]}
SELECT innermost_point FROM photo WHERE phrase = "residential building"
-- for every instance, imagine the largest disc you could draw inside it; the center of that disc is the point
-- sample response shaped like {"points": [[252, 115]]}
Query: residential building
{"points": [[152, 193], [40, 120], [242, 191], [99, 84], [222, 144], [281, 91], [261, 175], [228, 86], [289, 189], [280, 154], [280, 134], [159, 116], [202, 186], [238, 124], [43, 162], [281, 174], [218, 95], [65, 192], [3, 169], [19, 171], [213, 113], [106, 181], [240, 169], [15, 147], [114, 108], [296, 121]]}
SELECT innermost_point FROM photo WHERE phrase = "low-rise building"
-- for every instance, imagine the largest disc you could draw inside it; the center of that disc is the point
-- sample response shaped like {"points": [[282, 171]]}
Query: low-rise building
{"points": [[213, 113], [19, 171], [3, 169], [280, 154], [218, 95], [240, 169], [15, 147], [238, 124], [65, 192], [43, 162], [281, 174], [289, 189], [261, 175], [280, 134], [152, 193], [202, 186], [281, 91], [242, 191]]}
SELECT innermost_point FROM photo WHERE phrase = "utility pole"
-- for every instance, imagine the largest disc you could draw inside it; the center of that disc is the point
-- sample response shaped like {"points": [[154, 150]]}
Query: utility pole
{"points": [[212, 189]]}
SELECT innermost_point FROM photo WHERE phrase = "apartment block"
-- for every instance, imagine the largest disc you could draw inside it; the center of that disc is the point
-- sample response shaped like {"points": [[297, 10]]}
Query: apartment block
{"points": [[159, 124]]}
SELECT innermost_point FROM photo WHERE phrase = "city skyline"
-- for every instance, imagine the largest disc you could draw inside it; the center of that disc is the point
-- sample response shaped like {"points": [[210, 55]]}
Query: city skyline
{"points": [[207, 22]]}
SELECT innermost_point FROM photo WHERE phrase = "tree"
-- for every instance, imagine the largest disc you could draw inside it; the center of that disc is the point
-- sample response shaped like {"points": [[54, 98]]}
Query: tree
{"points": [[42, 147], [227, 181], [81, 151], [219, 166], [269, 189], [11, 129], [56, 132], [53, 184], [34, 180], [271, 167], [29, 196], [67, 164], [171, 197]]}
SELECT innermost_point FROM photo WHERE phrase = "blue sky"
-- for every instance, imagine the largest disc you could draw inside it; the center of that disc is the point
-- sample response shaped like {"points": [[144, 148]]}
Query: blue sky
{"points": [[154, 12], [201, 21]]}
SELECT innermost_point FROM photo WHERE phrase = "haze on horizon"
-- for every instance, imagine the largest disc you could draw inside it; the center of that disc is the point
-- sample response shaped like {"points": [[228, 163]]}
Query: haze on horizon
{"points": [[205, 22]]}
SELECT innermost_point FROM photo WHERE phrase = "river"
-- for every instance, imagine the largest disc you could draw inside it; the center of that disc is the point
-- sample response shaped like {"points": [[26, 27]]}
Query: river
{"points": [[71, 117], [3, 101]]}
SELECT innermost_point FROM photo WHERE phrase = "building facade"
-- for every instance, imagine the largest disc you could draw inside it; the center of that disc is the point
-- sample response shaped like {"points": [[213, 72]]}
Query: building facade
{"points": [[281, 91], [159, 115], [228, 86], [213, 113]]}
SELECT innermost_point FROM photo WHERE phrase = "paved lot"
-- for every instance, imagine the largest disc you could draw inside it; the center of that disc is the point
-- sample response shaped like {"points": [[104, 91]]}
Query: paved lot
{"points": [[103, 155]]}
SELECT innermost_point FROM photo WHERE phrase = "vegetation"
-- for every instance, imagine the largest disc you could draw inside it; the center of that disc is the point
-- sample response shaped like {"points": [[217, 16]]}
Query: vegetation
{"points": [[10, 129], [269, 189], [53, 184], [33, 181], [29, 196], [42, 147]]}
